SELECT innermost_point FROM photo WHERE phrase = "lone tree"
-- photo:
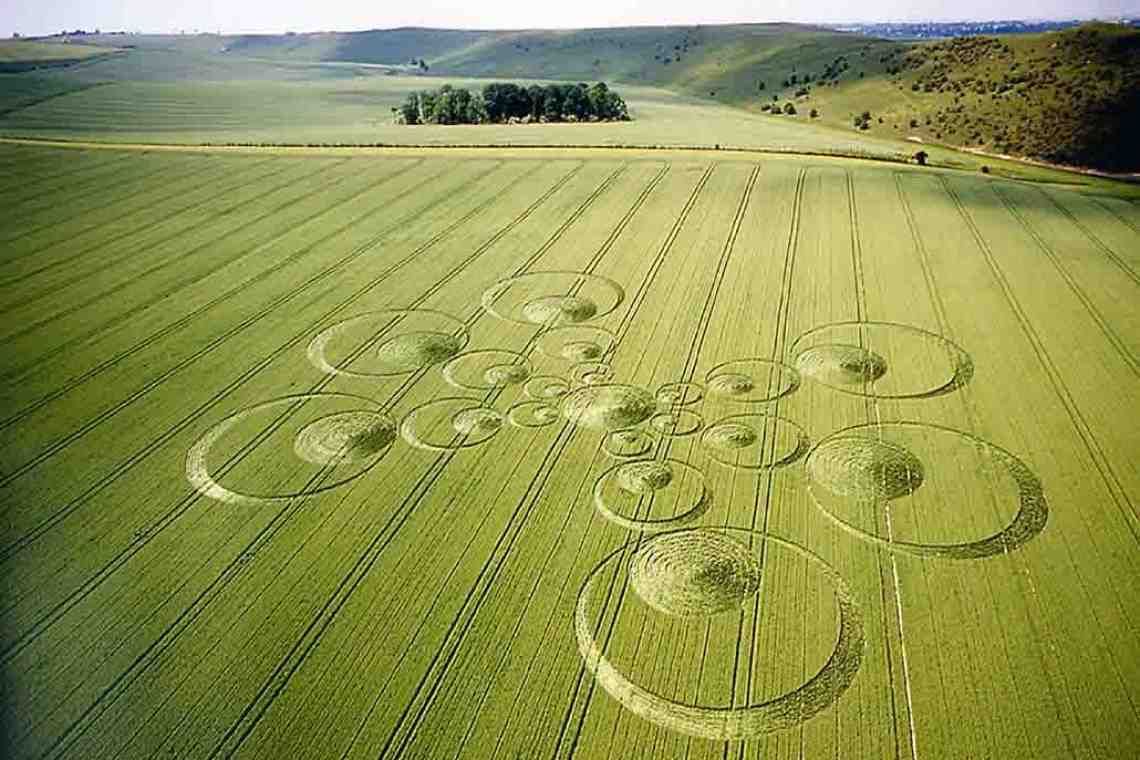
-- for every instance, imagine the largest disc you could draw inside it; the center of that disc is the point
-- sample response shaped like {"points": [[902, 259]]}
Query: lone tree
{"points": [[920, 157], [789, 109]]}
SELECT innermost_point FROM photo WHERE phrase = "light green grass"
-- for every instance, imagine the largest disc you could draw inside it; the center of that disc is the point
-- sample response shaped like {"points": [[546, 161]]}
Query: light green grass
{"points": [[22, 52], [426, 607]]}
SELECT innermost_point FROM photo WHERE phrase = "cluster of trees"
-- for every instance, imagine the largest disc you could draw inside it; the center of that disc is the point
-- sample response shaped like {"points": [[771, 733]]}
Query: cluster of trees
{"points": [[501, 102]]}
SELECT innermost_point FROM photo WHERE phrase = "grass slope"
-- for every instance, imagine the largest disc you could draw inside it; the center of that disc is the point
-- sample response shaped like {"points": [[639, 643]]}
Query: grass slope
{"points": [[1066, 97]]}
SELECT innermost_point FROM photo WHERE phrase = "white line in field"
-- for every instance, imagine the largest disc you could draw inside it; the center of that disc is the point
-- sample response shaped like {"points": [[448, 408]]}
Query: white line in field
{"points": [[898, 611]]}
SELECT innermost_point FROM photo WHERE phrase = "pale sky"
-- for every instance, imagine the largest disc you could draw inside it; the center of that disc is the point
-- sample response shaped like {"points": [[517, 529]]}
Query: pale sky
{"points": [[32, 17]]}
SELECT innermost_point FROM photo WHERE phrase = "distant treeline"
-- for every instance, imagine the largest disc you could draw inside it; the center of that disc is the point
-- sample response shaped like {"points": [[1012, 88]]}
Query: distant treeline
{"points": [[503, 102]]}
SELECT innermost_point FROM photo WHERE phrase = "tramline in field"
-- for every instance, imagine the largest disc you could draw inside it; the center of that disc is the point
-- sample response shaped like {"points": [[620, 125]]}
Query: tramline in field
{"points": [[639, 454]]}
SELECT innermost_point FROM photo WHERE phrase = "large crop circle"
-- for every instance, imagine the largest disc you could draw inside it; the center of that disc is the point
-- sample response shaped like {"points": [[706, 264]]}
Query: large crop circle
{"points": [[926, 490], [609, 406], [289, 447], [552, 299], [882, 360], [651, 495], [752, 380], [387, 343], [668, 590]]}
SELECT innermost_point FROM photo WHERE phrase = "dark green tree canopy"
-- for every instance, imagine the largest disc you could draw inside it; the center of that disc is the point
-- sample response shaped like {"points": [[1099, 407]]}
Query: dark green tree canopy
{"points": [[502, 102]]}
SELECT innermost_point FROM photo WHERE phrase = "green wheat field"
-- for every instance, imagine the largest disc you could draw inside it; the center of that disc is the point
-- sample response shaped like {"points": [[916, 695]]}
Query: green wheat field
{"points": [[558, 452]]}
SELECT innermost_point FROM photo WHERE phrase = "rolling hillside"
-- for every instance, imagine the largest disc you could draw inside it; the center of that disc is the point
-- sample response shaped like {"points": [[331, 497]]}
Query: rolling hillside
{"points": [[1064, 97]]}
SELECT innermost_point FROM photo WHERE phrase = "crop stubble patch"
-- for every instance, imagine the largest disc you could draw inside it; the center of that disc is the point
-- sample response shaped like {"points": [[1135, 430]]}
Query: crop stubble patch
{"points": [[698, 573], [323, 430], [418, 338], [857, 473], [882, 360], [652, 495]]}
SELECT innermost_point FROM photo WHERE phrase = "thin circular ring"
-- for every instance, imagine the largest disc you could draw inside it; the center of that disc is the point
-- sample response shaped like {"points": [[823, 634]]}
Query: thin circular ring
{"points": [[727, 723], [1030, 519]]}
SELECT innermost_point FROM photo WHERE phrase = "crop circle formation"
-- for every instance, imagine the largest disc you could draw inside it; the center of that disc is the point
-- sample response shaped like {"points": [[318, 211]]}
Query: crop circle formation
{"points": [[651, 495], [882, 360], [752, 380], [532, 414], [694, 574], [755, 441], [609, 406], [677, 423], [552, 299], [451, 424], [309, 443], [628, 443], [680, 393], [576, 343], [912, 468], [487, 369], [387, 343]]}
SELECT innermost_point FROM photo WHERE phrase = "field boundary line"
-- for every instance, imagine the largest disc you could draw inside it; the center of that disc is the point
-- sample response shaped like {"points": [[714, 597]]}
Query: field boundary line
{"points": [[944, 327], [6, 551], [22, 372], [354, 583], [1104, 467], [623, 328], [1125, 354], [98, 188], [871, 409], [165, 640], [170, 260], [203, 168], [1113, 256], [191, 207]]}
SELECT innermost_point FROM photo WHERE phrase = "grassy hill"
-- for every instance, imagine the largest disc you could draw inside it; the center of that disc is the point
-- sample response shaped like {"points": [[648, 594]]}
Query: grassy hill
{"points": [[1064, 97], [20, 55]]}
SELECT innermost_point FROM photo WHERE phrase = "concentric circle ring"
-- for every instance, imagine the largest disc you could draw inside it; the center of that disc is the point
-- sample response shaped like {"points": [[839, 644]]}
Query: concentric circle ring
{"points": [[510, 299], [402, 352], [744, 432], [822, 353], [678, 470], [720, 723], [207, 483], [454, 411], [749, 380], [1030, 519]]}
